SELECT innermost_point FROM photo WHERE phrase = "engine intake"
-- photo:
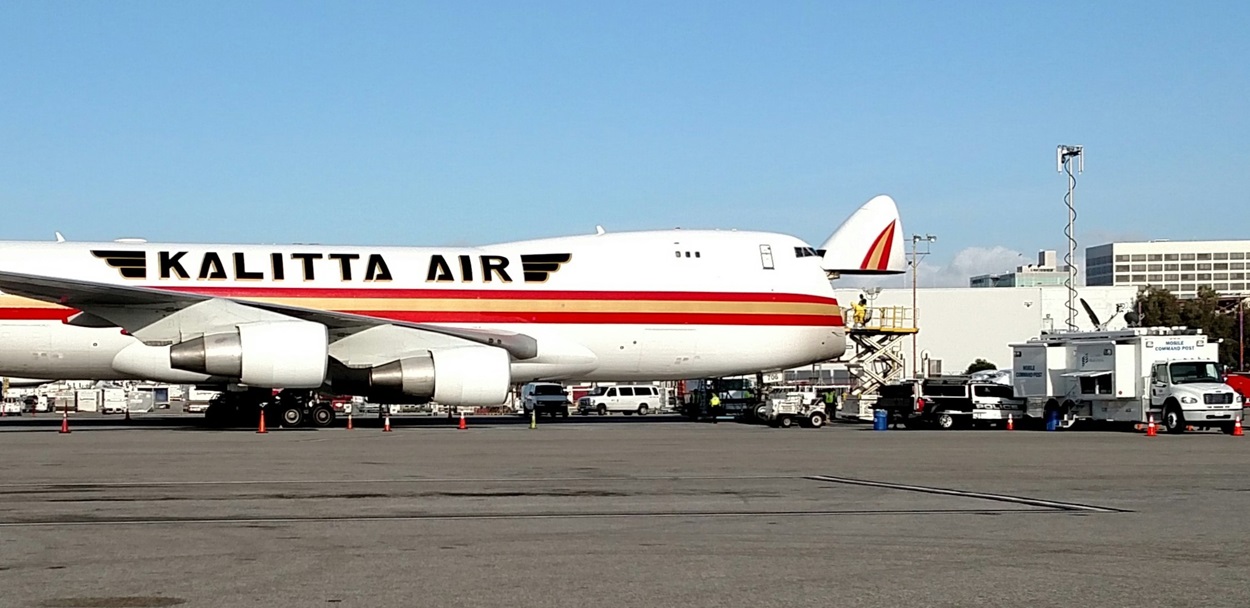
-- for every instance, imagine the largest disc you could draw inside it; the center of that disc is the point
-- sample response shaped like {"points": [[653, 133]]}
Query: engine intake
{"points": [[274, 354]]}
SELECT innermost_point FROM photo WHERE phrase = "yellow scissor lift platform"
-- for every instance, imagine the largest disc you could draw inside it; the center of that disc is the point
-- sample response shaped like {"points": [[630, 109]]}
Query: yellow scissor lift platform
{"points": [[877, 358]]}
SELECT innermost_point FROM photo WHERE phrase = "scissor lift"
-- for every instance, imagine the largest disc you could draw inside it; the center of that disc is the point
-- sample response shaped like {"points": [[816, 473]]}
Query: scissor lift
{"points": [[878, 357]]}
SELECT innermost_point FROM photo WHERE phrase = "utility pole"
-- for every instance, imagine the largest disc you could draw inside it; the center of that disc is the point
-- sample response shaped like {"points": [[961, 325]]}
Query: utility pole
{"points": [[916, 239], [1065, 157]]}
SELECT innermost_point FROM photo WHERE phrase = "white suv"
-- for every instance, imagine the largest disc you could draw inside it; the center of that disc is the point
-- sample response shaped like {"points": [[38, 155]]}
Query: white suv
{"points": [[625, 398]]}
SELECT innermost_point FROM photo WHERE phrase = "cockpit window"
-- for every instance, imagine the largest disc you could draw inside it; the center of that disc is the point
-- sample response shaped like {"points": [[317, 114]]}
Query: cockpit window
{"points": [[807, 252]]}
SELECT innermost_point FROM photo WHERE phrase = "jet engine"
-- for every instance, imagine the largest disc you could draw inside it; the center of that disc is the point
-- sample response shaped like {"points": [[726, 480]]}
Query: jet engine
{"points": [[463, 376], [272, 354]]}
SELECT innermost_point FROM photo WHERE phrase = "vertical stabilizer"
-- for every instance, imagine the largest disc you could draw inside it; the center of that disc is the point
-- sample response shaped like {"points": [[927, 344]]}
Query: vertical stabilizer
{"points": [[868, 242]]}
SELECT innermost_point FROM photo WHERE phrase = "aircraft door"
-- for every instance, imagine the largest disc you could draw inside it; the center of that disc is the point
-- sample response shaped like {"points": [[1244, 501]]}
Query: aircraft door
{"points": [[766, 256]]}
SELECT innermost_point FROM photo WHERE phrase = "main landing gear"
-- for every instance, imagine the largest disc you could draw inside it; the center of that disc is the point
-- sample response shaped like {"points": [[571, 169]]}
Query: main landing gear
{"points": [[287, 409]]}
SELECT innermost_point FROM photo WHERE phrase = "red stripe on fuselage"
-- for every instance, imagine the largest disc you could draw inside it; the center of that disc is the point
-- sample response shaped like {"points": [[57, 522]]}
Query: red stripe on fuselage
{"points": [[605, 318], [36, 314], [492, 294], [516, 317]]}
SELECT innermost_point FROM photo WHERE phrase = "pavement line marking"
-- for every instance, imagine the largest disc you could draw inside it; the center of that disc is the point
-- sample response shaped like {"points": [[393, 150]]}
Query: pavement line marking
{"points": [[261, 482], [507, 516], [1035, 502]]}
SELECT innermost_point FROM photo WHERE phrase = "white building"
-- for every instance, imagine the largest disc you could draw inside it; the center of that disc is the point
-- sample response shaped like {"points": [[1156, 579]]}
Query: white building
{"points": [[1045, 272], [1180, 267], [960, 325]]}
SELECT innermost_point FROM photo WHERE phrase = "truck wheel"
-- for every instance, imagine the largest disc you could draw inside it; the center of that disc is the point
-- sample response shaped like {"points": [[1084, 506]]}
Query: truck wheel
{"points": [[603, 410], [816, 420], [786, 422], [322, 416], [1173, 419], [945, 421], [642, 410], [761, 411]]}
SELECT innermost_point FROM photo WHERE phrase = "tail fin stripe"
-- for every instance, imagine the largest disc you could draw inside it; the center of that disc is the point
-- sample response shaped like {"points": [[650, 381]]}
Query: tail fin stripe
{"points": [[878, 255]]}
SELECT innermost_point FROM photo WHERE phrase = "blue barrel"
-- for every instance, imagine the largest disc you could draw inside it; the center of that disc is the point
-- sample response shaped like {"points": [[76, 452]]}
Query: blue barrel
{"points": [[1052, 420], [880, 420]]}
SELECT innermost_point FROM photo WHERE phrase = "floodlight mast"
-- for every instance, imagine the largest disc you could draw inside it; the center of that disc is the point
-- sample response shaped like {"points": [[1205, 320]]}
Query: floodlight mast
{"points": [[916, 254], [1065, 158]]}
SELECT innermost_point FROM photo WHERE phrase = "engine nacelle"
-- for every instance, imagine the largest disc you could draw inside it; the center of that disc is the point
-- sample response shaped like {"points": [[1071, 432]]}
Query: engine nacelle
{"points": [[465, 376], [271, 354]]}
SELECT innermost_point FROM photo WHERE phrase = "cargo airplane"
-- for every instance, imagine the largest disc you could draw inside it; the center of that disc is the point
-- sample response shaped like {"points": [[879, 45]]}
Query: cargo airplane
{"points": [[458, 326]]}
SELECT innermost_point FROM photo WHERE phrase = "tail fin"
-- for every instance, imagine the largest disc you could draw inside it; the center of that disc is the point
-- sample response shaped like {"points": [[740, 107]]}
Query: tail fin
{"points": [[868, 242]]}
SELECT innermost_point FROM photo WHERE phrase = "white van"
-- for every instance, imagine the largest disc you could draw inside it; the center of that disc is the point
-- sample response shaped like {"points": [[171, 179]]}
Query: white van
{"points": [[625, 398]]}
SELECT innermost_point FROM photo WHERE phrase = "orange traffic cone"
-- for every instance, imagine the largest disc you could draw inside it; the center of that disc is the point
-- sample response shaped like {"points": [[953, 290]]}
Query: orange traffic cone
{"points": [[1010, 425], [462, 425], [386, 424], [1150, 426], [1237, 428], [65, 422], [261, 429], [349, 421]]}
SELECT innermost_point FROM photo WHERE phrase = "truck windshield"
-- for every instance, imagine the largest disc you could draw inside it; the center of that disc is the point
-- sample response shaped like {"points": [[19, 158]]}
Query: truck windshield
{"points": [[1193, 371], [548, 389]]}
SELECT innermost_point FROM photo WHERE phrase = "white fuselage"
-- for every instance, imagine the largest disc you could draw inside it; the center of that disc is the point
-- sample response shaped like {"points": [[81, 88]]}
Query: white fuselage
{"points": [[626, 307]]}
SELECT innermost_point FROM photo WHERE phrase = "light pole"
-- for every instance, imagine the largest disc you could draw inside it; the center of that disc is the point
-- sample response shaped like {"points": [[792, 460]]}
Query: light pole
{"points": [[916, 239]]}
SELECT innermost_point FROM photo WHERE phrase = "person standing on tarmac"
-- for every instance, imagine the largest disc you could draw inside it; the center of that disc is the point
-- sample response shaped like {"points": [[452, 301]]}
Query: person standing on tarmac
{"points": [[714, 407]]}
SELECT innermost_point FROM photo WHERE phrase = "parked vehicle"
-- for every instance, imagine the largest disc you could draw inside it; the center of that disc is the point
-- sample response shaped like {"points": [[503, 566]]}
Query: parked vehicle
{"points": [[786, 406], [1168, 374], [625, 398], [545, 398], [948, 402], [815, 396]]}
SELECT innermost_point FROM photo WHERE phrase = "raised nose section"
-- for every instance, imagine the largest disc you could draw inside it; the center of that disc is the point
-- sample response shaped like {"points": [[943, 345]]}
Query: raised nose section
{"points": [[868, 242]]}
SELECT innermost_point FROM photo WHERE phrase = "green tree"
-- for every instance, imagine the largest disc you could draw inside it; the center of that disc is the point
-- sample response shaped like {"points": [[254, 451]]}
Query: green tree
{"points": [[1159, 307], [980, 365]]}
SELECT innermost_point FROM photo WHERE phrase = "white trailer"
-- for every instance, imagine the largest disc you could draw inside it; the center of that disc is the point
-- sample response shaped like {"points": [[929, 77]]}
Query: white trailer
{"points": [[1168, 374]]}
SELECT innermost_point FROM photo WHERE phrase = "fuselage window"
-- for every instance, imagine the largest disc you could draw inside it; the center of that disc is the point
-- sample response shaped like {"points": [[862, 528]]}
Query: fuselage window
{"points": [[696, 254]]}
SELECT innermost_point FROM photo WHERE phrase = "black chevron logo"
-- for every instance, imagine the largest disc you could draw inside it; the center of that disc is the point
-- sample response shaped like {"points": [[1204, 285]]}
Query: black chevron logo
{"points": [[538, 267], [131, 264]]}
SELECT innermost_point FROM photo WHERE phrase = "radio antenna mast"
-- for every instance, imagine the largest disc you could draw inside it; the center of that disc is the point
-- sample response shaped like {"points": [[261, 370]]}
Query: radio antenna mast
{"points": [[1065, 158]]}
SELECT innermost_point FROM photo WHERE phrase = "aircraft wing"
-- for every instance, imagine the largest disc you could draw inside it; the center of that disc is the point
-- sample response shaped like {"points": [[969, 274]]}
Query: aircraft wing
{"points": [[142, 310]]}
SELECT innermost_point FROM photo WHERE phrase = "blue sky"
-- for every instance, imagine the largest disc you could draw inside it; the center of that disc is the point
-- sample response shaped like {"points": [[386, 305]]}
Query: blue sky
{"points": [[404, 123]]}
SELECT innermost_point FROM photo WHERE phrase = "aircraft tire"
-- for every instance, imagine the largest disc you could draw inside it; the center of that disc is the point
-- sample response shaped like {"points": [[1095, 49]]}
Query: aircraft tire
{"points": [[322, 416], [291, 416]]}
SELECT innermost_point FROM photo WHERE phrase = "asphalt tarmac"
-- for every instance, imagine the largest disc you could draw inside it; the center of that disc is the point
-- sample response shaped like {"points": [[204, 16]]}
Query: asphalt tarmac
{"points": [[616, 512]]}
